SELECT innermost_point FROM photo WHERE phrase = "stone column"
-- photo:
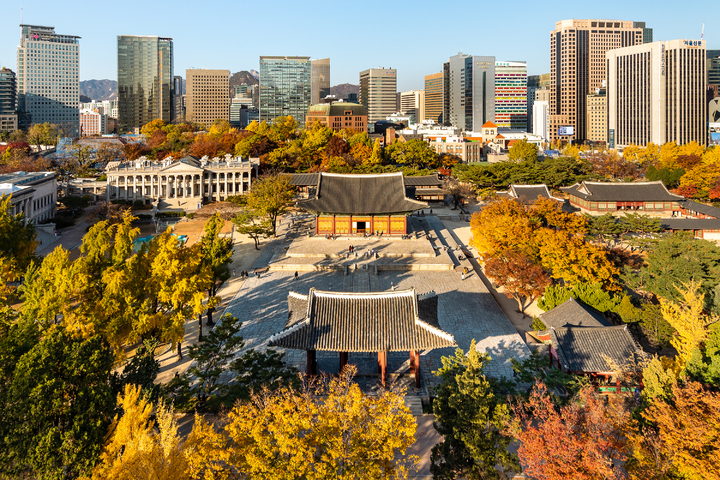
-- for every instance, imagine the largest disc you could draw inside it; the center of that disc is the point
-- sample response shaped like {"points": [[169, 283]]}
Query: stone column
{"points": [[192, 185], [143, 189], [234, 190], [226, 185], [126, 187], [107, 190], [152, 187], [217, 181]]}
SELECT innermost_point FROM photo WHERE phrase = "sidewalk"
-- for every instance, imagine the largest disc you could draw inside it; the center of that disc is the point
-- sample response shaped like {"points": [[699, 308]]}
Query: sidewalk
{"points": [[71, 237]]}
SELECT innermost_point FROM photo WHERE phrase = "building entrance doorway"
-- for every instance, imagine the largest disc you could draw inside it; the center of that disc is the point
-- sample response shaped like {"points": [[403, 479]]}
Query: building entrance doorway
{"points": [[361, 227]]}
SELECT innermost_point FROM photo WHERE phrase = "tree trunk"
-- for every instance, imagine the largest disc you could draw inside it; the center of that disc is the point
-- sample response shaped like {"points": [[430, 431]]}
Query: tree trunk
{"points": [[210, 319], [200, 325], [179, 351]]}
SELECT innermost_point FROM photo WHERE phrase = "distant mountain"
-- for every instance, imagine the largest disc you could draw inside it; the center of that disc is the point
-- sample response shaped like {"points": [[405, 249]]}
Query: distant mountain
{"points": [[99, 89], [342, 90], [246, 77]]}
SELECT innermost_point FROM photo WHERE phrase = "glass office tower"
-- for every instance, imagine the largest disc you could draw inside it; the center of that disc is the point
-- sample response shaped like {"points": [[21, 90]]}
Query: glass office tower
{"points": [[285, 87], [145, 81]]}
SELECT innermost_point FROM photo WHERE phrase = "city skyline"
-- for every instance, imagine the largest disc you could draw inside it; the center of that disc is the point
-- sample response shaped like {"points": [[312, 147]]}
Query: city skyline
{"points": [[195, 48]]}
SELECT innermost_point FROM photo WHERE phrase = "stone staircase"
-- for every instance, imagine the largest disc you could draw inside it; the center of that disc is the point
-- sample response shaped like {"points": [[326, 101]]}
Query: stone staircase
{"points": [[415, 405]]}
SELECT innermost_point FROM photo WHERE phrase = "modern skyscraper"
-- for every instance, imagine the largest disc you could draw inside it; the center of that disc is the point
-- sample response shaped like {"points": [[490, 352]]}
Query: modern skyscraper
{"points": [[656, 93], [320, 82], [47, 81], [433, 97], [145, 81], [8, 100], [577, 66], [178, 91], [511, 95], [378, 90], [285, 87], [471, 91], [412, 103], [208, 96]]}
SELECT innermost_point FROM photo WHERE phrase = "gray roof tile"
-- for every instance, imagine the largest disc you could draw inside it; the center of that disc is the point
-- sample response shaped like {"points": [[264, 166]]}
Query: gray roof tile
{"points": [[362, 322], [361, 195], [588, 349], [622, 192], [573, 313]]}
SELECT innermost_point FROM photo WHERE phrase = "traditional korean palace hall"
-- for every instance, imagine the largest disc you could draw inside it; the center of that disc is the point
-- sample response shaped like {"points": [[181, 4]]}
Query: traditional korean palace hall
{"points": [[365, 322], [361, 204]]}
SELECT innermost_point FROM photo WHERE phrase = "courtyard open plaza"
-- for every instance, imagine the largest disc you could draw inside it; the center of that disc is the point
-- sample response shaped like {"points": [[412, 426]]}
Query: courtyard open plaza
{"points": [[428, 262]]}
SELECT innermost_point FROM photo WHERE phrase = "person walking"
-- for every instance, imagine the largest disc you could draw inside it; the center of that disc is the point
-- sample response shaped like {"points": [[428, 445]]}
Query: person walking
{"points": [[296, 275], [463, 276]]}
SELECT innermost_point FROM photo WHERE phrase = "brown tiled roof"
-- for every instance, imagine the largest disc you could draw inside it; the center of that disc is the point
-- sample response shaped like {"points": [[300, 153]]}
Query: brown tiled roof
{"points": [[622, 192], [362, 322], [588, 349], [573, 313], [361, 195]]}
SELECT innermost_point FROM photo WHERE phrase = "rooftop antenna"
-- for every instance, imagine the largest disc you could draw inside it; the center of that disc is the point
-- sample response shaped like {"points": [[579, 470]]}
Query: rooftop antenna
{"points": [[702, 33]]}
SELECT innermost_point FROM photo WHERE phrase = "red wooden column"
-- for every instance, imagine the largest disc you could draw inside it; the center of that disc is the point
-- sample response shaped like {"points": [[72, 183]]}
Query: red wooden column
{"points": [[415, 366], [311, 363], [343, 361], [382, 366]]}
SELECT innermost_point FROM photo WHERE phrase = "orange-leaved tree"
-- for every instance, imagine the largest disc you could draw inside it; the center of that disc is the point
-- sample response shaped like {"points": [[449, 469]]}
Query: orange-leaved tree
{"points": [[581, 440], [680, 437]]}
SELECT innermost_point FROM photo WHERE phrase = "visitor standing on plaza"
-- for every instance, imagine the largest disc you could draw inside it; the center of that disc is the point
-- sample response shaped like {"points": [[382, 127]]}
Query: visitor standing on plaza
{"points": [[296, 275]]}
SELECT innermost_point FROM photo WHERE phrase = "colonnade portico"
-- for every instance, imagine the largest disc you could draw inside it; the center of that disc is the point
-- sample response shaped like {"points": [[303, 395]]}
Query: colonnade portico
{"points": [[187, 178]]}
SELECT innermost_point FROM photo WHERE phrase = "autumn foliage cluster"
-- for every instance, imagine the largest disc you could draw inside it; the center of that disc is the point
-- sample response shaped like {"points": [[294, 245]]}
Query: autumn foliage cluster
{"points": [[526, 248]]}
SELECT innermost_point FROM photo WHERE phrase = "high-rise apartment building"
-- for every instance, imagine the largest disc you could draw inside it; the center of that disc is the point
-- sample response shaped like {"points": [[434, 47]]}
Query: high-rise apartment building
{"points": [[378, 90], [48, 78], [145, 81], [412, 103], [577, 66], [656, 93], [285, 87], [470, 91], [511, 95], [208, 96], [433, 97], [8, 100], [320, 82]]}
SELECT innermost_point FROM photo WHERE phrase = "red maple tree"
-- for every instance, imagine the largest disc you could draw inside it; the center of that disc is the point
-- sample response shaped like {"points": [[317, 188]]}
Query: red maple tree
{"points": [[523, 279]]}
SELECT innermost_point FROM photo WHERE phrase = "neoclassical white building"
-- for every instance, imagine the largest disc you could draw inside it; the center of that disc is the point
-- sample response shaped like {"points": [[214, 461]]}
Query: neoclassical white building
{"points": [[187, 178], [34, 194]]}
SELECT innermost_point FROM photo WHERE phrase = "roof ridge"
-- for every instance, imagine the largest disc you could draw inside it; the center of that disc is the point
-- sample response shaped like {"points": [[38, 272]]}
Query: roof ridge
{"points": [[384, 294], [434, 330], [365, 175], [284, 333]]}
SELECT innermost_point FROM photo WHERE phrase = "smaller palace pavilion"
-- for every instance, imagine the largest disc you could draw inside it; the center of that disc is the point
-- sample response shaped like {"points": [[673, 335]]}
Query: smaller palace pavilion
{"points": [[360, 204], [369, 322]]}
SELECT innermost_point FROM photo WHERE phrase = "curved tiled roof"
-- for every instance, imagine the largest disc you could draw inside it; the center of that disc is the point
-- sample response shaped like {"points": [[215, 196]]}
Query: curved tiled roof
{"points": [[588, 350], [622, 192], [362, 322], [573, 313], [423, 180], [361, 195]]}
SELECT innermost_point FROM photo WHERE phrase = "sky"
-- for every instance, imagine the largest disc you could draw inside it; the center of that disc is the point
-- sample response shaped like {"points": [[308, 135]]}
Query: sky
{"points": [[413, 37]]}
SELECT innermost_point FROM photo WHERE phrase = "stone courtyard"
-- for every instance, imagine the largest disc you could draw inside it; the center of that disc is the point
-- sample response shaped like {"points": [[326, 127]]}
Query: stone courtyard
{"points": [[466, 308]]}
